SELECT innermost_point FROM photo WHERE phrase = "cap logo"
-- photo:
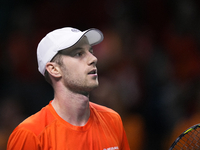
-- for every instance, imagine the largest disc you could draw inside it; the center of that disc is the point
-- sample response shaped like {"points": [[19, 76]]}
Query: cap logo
{"points": [[75, 30]]}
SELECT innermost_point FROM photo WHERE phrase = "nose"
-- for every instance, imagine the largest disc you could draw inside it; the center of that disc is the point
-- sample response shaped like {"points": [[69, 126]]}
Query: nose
{"points": [[92, 59]]}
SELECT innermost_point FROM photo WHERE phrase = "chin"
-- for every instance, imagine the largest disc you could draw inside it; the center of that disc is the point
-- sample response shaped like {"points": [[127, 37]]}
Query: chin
{"points": [[90, 88], [93, 84]]}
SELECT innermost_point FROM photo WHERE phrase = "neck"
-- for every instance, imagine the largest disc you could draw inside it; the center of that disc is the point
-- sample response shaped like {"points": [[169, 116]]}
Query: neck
{"points": [[72, 107]]}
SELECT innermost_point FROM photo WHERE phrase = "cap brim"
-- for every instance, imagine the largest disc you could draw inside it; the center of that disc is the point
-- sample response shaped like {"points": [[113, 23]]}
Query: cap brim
{"points": [[94, 36]]}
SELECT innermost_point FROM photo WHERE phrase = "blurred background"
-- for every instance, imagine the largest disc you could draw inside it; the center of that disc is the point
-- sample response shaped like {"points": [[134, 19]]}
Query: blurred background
{"points": [[149, 62]]}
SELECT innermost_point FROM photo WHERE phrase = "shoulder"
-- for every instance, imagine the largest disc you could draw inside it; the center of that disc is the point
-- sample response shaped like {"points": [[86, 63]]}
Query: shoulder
{"points": [[26, 133], [104, 111], [101, 108], [107, 118], [37, 122]]}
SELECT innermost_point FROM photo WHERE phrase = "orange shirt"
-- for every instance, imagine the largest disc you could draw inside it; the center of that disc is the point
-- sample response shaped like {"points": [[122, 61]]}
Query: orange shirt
{"points": [[46, 130]]}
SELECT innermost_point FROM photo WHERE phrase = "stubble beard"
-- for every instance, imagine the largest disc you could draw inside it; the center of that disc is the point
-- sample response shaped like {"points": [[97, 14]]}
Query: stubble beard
{"points": [[79, 87]]}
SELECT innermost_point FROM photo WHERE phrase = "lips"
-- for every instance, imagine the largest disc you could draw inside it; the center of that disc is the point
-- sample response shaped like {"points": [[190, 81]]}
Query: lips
{"points": [[94, 71]]}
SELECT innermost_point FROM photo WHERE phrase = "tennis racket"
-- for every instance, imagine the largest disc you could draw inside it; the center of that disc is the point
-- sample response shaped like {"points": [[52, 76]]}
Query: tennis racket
{"points": [[188, 140]]}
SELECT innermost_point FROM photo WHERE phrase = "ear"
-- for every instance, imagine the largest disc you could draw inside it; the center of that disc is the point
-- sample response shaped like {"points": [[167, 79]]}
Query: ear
{"points": [[53, 69]]}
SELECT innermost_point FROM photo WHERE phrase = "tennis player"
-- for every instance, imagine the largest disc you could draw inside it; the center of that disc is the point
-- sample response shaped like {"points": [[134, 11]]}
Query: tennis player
{"points": [[70, 121]]}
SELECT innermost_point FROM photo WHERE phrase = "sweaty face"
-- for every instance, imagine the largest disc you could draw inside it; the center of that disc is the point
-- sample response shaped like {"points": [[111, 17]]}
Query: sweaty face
{"points": [[79, 72]]}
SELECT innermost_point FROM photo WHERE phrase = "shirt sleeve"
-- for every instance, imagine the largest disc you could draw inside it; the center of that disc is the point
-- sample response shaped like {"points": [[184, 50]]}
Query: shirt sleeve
{"points": [[124, 143], [22, 139]]}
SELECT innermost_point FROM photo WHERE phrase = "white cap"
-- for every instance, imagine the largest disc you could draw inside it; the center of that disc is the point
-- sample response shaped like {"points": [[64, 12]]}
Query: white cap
{"points": [[60, 39]]}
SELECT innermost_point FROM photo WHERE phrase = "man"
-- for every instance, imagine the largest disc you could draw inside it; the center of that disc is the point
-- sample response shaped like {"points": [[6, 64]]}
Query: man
{"points": [[70, 121]]}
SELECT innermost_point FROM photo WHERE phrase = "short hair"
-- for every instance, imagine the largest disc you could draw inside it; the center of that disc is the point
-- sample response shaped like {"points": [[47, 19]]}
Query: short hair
{"points": [[57, 59]]}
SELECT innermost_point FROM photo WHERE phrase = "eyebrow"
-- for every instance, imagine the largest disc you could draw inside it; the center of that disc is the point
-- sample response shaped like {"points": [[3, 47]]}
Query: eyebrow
{"points": [[68, 51]]}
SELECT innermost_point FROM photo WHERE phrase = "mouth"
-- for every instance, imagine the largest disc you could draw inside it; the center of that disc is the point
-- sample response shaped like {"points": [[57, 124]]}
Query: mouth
{"points": [[93, 72]]}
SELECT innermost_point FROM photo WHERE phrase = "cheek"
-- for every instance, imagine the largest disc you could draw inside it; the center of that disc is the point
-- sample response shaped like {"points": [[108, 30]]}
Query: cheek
{"points": [[73, 69], [72, 73]]}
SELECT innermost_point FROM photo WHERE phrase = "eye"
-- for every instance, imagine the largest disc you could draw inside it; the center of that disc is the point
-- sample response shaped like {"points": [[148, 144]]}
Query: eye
{"points": [[78, 54]]}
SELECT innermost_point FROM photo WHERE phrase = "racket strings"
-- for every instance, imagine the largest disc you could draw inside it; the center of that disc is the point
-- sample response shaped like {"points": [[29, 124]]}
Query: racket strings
{"points": [[189, 141]]}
